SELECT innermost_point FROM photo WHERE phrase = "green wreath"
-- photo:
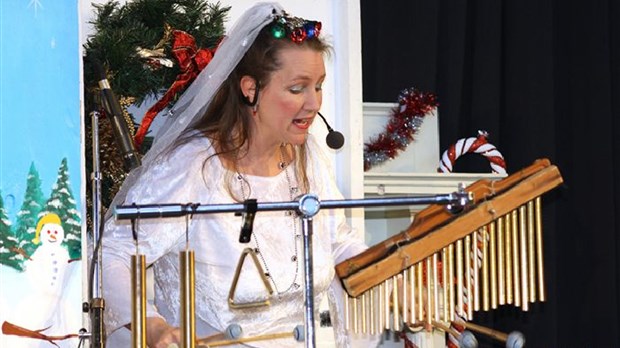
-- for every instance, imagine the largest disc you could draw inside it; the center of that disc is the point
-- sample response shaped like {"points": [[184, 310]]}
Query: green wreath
{"points": [[122, 29], [133, 42]]}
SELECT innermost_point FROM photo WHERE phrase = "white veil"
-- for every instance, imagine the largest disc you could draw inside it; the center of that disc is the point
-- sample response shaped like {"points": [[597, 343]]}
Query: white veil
{"points": [[195, 100]]}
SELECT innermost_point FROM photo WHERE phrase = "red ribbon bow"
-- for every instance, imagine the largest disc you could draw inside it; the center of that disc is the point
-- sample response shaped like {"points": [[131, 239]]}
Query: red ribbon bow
{"points": [[191, 62]]}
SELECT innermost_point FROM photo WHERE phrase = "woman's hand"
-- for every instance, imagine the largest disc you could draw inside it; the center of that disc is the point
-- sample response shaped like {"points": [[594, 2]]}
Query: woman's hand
{"points": [[161, 335]]}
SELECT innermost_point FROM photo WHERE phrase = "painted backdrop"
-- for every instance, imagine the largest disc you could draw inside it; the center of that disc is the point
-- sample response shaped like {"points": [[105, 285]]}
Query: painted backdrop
{"points": [[40, 176]]}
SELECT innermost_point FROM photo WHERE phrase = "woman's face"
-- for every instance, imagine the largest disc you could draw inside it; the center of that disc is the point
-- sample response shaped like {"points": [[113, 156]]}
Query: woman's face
{"points": [[288, 104]]}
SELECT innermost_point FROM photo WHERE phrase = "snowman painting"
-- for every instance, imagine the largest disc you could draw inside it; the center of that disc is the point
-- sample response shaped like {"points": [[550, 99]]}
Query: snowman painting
{"points": [[47, 266], [46, 273]]}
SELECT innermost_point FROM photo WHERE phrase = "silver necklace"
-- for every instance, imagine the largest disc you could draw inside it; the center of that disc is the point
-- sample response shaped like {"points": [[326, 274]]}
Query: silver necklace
{"points": [[292, 190]]}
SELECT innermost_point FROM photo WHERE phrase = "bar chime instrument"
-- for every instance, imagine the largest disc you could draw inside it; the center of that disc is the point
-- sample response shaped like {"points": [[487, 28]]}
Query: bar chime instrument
{"points": [[447, 266]]}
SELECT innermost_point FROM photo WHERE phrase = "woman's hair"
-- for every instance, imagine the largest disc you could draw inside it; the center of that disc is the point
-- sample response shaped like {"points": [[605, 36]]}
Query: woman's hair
{"points": [[226, 121]]}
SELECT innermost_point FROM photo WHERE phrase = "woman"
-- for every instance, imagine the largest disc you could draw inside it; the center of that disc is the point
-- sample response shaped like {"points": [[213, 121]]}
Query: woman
{"points": [[241, 133]]}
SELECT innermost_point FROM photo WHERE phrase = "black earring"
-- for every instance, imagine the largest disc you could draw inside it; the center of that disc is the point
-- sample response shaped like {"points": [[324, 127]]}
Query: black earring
{"points": [[247, 100]]}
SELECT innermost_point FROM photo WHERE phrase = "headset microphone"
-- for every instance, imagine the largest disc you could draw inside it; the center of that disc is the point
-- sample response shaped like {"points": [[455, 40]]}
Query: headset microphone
{"points": [[334, 139]]}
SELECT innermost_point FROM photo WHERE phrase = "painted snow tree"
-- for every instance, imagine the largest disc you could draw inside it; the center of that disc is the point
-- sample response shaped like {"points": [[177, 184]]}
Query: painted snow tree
{"points": [[63, 204], [28, 214], [8, 242]]}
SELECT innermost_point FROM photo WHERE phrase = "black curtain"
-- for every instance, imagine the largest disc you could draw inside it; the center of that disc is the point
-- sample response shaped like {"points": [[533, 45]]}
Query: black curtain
{"points": [[542, 77]]}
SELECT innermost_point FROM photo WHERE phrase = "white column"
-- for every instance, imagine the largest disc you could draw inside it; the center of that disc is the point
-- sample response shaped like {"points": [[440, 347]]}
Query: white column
{"points": [[348, 112]]}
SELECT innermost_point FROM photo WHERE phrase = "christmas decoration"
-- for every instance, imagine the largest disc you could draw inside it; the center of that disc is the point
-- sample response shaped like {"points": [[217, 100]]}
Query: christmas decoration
{"points": [[404, 123], [191, 61], [296, 28], [123, 31], [135, 43], [477, 145]]}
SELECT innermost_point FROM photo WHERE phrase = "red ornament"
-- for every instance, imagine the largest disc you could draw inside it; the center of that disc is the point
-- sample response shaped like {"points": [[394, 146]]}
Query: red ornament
{"points": [[191, 62], [298, 35], [317, 28]]}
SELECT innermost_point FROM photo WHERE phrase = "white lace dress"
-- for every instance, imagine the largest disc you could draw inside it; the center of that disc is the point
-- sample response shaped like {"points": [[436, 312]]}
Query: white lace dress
{"points": [[185, 177]]}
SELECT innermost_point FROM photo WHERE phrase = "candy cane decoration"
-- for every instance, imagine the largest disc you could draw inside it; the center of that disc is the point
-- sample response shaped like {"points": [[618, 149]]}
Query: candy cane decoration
{"points": [[477, 145], [473, 145]]}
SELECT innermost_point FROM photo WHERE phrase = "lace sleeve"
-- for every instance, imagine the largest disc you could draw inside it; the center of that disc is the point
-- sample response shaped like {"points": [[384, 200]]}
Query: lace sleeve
{"points": [[177, 179]]}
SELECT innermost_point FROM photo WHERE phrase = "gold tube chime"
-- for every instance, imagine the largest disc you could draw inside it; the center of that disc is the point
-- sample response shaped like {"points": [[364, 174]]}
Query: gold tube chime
{"points": [[524, 258], [493, 260], [347, 313], [405, 295], [485, 269], [539, 250], [395, 305], [435, 286], [386, 301], [420, 290], [428, 300], [508, 256], [459, 278], [372, 311], [501, 266], [445, 284], [531, 252], [138, 301], [452, 297], [356, 316], [469, 313], [381, 306], [516, 273], [412, 295], [475, 266], [188, 296]]}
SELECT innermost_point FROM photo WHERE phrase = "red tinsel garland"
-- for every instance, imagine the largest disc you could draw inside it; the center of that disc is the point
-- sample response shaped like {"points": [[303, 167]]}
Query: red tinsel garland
{"points": [[404, 123]]}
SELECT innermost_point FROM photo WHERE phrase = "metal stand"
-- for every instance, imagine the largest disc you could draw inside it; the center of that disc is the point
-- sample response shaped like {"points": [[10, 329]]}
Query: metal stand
{"points": [[306, 206], [96, 305]]}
